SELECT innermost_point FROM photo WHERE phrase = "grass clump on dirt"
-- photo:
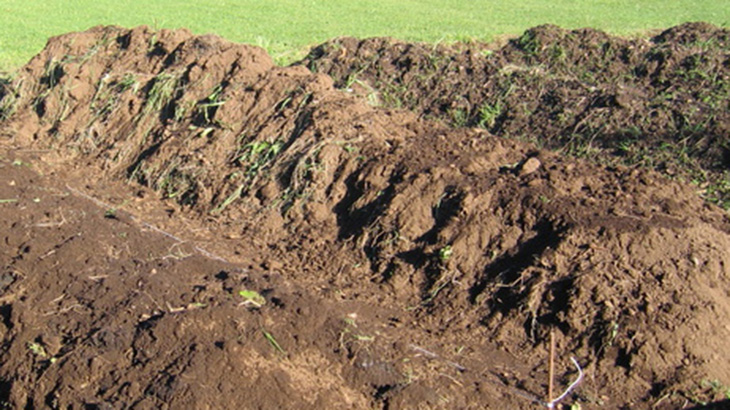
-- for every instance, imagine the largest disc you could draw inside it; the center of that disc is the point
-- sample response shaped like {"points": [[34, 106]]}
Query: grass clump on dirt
{"points": [[8, 98], [161, 93]]}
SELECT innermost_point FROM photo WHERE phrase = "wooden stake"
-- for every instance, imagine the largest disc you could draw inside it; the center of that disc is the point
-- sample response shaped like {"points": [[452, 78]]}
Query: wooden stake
{"points": [[551, 366]]}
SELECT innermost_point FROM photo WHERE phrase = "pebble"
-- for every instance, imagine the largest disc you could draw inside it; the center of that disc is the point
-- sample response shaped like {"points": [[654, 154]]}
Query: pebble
{"points": [[530, 166]]}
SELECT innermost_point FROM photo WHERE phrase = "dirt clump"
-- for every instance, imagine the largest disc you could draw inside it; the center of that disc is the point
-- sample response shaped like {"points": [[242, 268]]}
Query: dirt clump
{"points": [[252, 230]]}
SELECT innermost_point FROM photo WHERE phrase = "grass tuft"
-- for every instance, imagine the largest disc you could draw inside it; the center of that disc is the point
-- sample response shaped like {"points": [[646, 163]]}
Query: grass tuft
{"points": [[161, 93]]}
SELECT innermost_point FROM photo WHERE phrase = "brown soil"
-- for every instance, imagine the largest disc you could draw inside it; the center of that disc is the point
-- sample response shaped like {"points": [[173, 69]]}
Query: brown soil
{"points": [[661, 102], [150, 177]]}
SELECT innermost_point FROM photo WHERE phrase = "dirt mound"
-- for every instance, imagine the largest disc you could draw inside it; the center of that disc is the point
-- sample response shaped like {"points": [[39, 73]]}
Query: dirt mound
{"points": [[399, 262], [661, 102]]}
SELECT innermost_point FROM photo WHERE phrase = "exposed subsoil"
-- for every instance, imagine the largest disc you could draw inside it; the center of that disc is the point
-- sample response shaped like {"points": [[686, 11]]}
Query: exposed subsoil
{"points": [[187, 225]]}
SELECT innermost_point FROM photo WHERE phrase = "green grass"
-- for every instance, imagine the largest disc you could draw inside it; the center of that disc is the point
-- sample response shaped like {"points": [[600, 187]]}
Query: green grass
{"points": [[286, 27]]}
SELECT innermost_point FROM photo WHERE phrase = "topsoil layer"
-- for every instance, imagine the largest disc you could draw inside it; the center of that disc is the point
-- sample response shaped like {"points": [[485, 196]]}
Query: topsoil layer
{"points": [[187, 225]]}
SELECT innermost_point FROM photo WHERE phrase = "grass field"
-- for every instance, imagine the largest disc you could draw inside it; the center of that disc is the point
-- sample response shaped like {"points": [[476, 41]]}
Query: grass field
{"points": [[286, 27]]}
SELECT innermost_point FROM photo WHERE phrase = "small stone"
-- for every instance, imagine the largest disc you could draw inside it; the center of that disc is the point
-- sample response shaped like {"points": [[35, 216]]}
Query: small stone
{"points": [[530, 166], [268, 192]]}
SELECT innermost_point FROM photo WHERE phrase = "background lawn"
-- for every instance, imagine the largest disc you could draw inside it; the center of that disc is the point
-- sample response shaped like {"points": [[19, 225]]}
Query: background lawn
{"points": [[287, 27]]}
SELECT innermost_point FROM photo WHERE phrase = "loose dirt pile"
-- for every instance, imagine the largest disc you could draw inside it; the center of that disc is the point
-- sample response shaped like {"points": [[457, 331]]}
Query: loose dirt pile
{"points": [[385, 260], [660, 102]]}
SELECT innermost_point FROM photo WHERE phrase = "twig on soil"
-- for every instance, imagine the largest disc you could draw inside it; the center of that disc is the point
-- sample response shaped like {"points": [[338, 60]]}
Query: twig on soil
{"points": [[58, 299], [432, 355], [90, 198], [452, 378], [188, 307], [551, 366], [52, 224], [56, 247], [64, 310], [158, 230], [159, 307], [210, 255], [177, 254]]}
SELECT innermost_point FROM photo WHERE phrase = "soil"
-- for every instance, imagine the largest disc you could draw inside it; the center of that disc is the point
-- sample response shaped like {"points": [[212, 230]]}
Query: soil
{"points": [[187, 225], [660, 102]]}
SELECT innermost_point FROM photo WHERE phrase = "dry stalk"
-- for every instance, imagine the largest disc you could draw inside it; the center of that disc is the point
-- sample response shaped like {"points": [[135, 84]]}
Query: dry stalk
{"points": [[432, 355], [551, 366], [552, 402]]}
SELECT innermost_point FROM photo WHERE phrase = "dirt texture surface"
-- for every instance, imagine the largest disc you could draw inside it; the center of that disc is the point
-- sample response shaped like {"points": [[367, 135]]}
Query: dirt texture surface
{"points": [[187, 225], [661, 102]]}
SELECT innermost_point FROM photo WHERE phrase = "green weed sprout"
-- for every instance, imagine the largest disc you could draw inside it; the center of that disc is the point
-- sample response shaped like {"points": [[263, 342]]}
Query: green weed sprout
{"points": [[270, 338], [252, 298]]}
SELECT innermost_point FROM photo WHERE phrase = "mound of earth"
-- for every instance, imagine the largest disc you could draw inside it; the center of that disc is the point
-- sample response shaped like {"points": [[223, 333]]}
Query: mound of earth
{"points": [[660, 102], [199, 227]]}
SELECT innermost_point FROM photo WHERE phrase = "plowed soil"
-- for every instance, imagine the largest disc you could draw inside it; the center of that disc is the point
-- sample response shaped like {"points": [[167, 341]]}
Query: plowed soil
{"points": [[187, 225]]}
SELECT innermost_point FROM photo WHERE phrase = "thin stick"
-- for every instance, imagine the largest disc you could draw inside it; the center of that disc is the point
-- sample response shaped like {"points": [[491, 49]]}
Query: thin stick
{"points": [[551, 366], [432, 355], [552, 403]]}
